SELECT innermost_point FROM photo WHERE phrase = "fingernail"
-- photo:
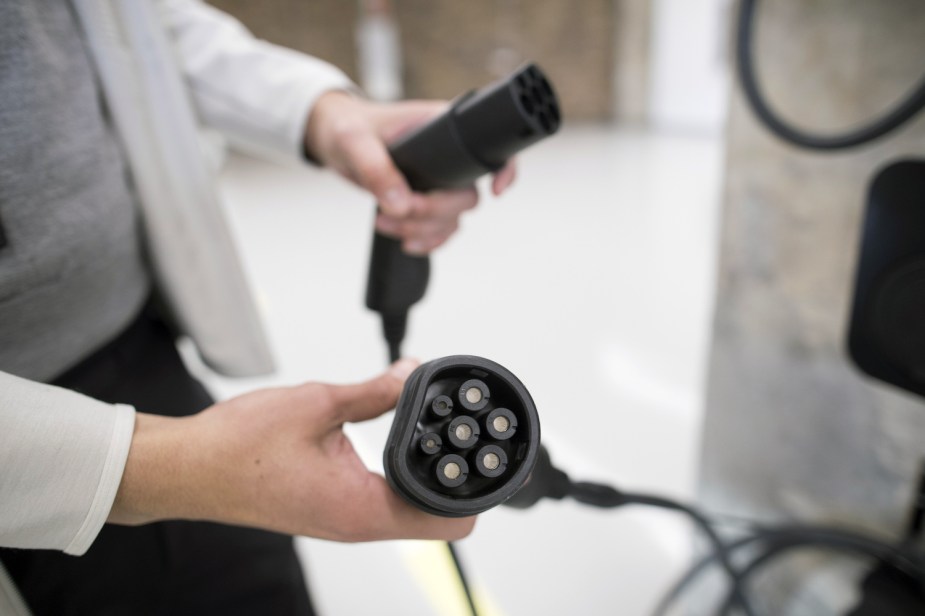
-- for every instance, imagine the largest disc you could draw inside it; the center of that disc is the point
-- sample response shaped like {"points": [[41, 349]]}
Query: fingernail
{"points": [[403, 368], [396, 202]]}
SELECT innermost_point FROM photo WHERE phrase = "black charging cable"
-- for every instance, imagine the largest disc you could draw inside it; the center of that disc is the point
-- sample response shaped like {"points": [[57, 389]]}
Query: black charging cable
{"points": [[547, 481], [762, 544], [463, 580], [880, 127], [598, 495], [768, 544]]}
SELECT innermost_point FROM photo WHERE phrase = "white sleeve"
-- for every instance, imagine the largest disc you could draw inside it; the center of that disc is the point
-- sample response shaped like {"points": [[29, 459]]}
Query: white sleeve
{"points": [[257, 94], [62, 455]]}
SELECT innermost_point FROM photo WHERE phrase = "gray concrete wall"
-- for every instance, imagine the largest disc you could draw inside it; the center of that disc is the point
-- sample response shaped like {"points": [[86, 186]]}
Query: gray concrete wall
{"points": [[792, 429]]}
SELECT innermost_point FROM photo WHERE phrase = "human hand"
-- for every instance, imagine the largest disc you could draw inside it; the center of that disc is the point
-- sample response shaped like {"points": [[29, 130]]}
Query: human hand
{"points": [[351, 135], [276, 459]]}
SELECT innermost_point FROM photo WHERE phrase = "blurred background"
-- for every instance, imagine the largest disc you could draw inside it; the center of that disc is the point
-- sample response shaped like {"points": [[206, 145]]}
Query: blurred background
{"points": [[669, 281]]}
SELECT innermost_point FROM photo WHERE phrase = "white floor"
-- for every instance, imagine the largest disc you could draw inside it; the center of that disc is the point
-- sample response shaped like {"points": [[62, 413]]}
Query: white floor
{"points": [[596, 275]]}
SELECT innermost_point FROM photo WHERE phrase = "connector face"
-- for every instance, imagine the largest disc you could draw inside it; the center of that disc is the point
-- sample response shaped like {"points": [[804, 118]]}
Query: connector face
{"points": [[464, 439]]}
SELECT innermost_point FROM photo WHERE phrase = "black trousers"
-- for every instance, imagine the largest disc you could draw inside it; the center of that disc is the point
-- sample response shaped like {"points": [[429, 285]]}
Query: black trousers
{"points": [[167, 568]]}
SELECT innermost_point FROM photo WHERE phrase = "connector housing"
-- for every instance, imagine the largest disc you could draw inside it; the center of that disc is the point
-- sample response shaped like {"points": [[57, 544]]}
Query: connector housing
{"points": [[419, 473]]}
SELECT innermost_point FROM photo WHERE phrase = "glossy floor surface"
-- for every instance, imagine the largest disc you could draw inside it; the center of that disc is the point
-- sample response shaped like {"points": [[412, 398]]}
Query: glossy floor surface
{"points": [[592, 280]]}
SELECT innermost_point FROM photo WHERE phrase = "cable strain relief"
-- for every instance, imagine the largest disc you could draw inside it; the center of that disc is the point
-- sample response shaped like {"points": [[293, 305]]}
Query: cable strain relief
{"points": [[598, 495], [394, 327], [560, 485]]}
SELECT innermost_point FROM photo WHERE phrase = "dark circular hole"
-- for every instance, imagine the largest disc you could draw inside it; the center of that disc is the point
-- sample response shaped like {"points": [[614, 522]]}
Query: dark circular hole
{"points": [[501, 424], [442, 406], [431, 443], [491, 461], [452, 470], [527, 104], [547, 89], [474, 394], [463, 432]]}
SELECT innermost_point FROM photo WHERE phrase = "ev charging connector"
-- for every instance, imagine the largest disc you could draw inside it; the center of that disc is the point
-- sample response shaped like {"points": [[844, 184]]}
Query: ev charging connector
{"points": [[477, 135], [464, 439]]}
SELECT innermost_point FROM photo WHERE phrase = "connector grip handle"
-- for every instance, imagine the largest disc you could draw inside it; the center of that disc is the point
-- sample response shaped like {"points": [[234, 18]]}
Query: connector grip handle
{"points": [[478, 133]]}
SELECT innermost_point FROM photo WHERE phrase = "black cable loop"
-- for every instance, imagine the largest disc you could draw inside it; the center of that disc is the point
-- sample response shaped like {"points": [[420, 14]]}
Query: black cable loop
{"points": [[876, 129]]}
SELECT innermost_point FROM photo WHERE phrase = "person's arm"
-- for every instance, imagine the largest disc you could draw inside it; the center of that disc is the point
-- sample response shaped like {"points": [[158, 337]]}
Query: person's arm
{"points": [[266, 98], [257, 94], [276, 459], [61, 461]]}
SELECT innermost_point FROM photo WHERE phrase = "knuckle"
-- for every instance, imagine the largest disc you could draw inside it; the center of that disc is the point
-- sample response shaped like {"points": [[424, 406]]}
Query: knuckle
{"points": [[427, 207]]}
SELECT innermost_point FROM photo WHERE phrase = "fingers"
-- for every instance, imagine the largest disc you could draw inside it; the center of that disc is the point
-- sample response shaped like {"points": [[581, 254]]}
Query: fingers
{"points": [[362, 401], [367, 159], [504, 178], [433, 219], [369, 165], [393, 518]]}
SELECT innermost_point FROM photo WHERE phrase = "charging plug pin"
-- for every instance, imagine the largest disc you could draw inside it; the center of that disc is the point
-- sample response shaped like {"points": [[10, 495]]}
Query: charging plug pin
{"points": [[463, 432], [473, 395], [431, 443], [501, 424], [452, 471], [491, 461]]}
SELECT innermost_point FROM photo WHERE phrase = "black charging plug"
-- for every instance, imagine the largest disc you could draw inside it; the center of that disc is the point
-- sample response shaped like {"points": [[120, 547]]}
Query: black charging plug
{"points": [[477, 135], [464, 439]]}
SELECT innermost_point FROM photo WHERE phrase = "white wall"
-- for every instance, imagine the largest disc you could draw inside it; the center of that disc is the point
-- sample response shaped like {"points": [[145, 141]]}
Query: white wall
{"points": [[690, 65]]}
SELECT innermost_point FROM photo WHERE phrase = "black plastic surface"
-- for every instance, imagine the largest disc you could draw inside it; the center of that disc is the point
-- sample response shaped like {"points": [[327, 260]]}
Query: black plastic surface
{"points": [[477, 135], [417, 475], [887, 335]]}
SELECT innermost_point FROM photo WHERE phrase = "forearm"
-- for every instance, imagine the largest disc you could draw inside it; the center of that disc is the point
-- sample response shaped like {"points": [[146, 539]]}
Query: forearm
{"points": [[160, 478], [275, 459], [257, 94]]}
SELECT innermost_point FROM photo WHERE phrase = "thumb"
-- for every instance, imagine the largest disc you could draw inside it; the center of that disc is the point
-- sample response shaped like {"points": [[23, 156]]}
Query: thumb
{"points": [[371, 167], [372, 398]]}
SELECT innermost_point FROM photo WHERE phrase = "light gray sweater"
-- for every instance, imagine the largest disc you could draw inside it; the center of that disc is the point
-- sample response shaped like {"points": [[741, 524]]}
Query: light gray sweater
{"points": [[168, 69], [71, 275]]}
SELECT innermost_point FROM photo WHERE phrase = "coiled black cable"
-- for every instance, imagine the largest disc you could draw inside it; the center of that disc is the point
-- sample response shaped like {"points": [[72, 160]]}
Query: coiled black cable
{"points": [[745, 64], [781, 540], [599, 495], [770, 543]]}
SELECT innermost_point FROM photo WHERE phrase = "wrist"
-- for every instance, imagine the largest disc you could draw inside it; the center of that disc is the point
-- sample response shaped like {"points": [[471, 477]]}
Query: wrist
{"points": [[159, 480], [323, 123]]}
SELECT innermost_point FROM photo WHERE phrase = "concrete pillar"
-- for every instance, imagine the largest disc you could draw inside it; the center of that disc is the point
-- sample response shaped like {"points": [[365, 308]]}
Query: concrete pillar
{"points": [[792, 429]]}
